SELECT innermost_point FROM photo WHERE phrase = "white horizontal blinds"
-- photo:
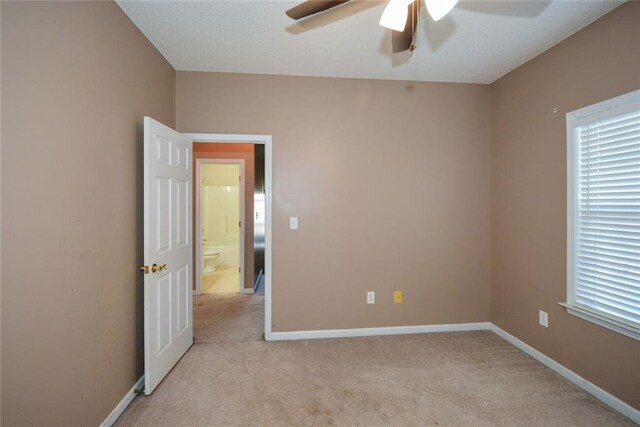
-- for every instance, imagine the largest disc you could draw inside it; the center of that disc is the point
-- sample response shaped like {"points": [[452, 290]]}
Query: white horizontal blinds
{"points": [[608, 217]]}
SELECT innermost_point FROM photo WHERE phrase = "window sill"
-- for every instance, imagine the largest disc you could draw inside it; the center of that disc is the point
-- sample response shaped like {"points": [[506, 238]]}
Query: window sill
{"points": [[602, 320]]}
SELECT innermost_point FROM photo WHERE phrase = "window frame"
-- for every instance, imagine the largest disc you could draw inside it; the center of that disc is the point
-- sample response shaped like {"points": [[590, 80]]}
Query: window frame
{"points": [[610, 108]]}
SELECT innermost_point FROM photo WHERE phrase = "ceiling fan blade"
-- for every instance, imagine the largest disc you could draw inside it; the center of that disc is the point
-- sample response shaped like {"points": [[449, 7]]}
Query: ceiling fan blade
{"points": [[403, 40], [311, 7], [438, 9]]}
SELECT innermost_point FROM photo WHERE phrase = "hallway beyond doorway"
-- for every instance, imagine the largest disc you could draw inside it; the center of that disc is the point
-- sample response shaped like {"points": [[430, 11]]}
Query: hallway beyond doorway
{"points": [[228, 318]]}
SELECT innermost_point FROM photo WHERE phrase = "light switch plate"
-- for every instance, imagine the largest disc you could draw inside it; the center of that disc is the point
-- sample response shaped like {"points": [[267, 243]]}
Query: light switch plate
{"points": [[293, 223]]}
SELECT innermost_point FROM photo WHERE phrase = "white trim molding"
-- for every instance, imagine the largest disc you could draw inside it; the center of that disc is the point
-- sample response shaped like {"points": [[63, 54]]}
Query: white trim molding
{"points": [[266, 140], [369, 332], [600, 394], [602, 320], [124, 403]]}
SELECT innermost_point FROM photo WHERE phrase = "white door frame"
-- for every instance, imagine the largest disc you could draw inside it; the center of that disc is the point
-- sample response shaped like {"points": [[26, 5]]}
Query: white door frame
{"points": [[267, 142], [241, 214]]}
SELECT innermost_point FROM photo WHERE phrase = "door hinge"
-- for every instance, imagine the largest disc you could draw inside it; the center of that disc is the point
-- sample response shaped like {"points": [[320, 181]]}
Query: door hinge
{"points": [[240, 178], [239, 269], [239, 223]]}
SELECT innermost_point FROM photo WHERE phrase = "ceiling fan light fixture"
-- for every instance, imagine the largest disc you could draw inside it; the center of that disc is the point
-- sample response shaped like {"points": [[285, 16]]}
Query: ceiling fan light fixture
{"points": [[439, 8], [394, 16]]}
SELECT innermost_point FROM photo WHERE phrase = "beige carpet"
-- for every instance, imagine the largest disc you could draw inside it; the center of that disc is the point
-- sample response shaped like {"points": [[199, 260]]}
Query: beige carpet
{"points": [[231, 377], [228, 318]]}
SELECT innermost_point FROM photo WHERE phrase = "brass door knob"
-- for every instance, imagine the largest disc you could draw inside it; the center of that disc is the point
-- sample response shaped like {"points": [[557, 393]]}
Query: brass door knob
{"points": [[155, 267]]}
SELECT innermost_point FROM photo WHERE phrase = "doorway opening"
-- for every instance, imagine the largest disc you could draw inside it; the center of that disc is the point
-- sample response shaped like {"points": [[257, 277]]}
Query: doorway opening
{"points": [[253, 154], [220, 206]]}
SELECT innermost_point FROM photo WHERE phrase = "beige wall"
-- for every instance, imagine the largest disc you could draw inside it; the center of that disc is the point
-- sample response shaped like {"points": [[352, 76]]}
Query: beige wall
{"points": [[77, 79], [0, 214], [390, 181], [529, 196], [204, 150]]}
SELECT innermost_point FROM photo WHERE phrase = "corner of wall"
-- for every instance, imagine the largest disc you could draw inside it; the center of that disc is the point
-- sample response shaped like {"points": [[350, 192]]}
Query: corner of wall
{"points": [[528, 195], [0, 212]]}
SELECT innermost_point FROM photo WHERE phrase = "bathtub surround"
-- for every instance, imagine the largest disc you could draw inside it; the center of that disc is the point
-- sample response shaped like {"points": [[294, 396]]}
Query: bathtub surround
{"points": [[220, 204]]}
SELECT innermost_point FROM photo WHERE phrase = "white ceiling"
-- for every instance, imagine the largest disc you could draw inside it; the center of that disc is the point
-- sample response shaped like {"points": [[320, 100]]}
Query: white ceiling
{"points": [[478, 42]]}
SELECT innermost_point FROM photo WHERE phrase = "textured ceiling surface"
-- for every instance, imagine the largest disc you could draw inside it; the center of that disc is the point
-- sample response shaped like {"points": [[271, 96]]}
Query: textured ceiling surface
{"points": [[478, 42]]}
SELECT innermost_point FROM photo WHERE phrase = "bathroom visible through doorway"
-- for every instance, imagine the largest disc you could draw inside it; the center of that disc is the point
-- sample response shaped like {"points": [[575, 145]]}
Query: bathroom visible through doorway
{"points": [[221, 225], [251, 219]]}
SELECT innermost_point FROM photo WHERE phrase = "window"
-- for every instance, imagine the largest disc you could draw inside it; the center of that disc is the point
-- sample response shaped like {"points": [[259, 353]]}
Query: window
{"points": [[603, 208]]}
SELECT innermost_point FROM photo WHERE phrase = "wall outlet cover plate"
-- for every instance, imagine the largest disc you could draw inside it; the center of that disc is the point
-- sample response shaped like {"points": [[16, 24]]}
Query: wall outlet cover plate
{"points": [[397, 297], [371, 297]]}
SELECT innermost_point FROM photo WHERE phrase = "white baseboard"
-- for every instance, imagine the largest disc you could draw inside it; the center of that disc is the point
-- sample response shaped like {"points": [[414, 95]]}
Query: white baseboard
{"points": [[247, 291], [126, 400], [367, 332], [607, 398], [600, 394]]}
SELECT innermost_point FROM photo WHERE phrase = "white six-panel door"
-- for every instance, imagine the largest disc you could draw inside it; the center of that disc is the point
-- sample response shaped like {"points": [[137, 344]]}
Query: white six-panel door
{"points": [[168, 319]]}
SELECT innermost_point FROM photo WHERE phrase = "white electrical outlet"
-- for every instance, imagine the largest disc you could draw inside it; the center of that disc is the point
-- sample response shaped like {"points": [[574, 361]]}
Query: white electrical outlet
{"points": [[371, 297], [543, 318]]}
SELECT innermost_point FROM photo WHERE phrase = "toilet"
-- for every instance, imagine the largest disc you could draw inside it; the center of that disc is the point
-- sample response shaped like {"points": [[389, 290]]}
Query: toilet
{"points": [[209, 255]]}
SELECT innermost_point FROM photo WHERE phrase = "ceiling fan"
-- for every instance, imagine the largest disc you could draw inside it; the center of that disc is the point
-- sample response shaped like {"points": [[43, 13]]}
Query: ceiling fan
{"points": [[400, 16]]}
